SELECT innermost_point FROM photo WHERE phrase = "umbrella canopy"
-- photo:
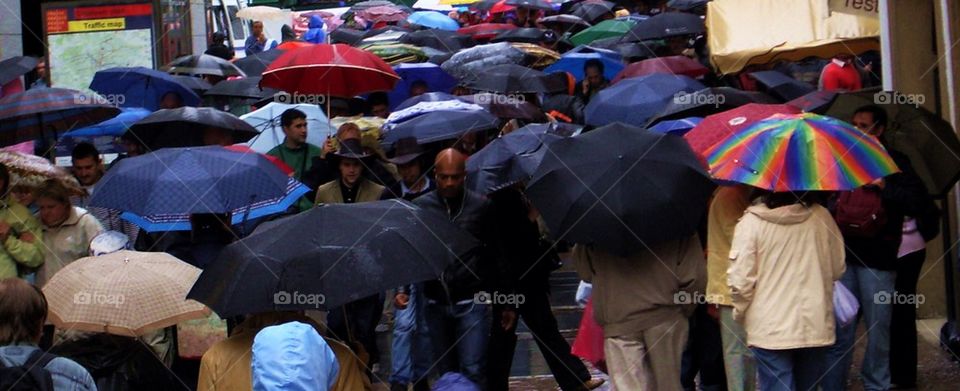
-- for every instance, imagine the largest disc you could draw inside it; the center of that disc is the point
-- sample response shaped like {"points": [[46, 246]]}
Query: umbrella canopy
{"points": [[383, 13], [509, 159], [262, 12], [184, 127], [526, 34], [331, 255], [605, 29], [592, 10], [15, 67], [926, 138], [267, 121], [507, 107], [509, 78], [141, 87], [428, 97], [469, 62], [673, 65], [124, 293], [159, 190], [666, 25], [435, 78], [33, 113], [447, 41], [635, 101], [531, 4], [709, 101], [196, 84], [782, 86], [441, 125], [800, 152], [203, 64], [678, 127], [30, 171], [433, 20], [566, 22], [686, 5], [536, 56], [394, 53], [574, 60], [273, 159], [255, 64], [635, 51], [485, 31], [247, 87], [335, 70], [371, 4], [621, 188], [346, 35], [113, 127], [717, 127]]}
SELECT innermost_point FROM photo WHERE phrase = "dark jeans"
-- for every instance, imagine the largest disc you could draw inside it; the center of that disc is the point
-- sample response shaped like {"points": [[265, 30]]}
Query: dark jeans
{"points": [[703, 354], [791, 369], [357, 321], [567, 369], [460, 334], [903, 325]]}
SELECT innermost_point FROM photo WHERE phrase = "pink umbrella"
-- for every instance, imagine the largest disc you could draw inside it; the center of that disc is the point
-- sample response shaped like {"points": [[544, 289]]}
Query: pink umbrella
{"points": [[675, 65]]}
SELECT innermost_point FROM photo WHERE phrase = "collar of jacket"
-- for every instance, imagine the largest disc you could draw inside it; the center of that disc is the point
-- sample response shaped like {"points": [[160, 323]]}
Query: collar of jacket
{"points": [[73, 219]]}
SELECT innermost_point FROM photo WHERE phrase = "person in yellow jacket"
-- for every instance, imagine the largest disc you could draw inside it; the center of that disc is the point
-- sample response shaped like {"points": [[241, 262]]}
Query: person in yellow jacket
{"points": [[20, 233]]}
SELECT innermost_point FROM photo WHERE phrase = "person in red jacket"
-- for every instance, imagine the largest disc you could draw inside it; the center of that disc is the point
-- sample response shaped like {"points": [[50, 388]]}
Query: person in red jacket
{"points": [[841, 74]]}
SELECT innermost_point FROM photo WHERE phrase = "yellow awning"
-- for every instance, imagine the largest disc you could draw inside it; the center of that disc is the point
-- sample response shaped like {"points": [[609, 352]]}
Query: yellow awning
{"points": [[747, 32]]}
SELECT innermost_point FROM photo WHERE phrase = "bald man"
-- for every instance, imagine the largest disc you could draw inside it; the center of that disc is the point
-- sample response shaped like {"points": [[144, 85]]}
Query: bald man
{"points": [[458, 306]]}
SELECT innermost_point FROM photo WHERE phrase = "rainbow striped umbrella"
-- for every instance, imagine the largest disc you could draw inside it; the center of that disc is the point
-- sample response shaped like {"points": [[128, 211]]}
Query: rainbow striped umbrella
{"points": [[796, 152]]}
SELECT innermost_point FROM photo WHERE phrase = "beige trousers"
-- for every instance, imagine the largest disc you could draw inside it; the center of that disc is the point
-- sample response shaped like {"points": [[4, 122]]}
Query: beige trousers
{"points": [[650, 362]]}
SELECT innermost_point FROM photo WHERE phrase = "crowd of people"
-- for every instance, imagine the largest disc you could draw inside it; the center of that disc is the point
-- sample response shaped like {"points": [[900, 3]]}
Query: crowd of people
{"points": [[767, 264]]}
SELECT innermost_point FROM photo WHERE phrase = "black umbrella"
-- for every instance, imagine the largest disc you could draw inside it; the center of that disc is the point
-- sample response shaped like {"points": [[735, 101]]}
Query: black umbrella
{"points": [[248, 87], [203, 64], [329, 256], [621, 188], [184, 127], [510, 78], [781, 85], [531, 4], [505, 106], [196, 84], [708, 101], [665, 25], [447, 41], [569, 23], [45, 113], [687, 5], [346, 35], [15, 67], [629, 50], [441, 125], [255, 64], [526, 34], [509, 159], [378, 31], [592, 11], [568, 105]]}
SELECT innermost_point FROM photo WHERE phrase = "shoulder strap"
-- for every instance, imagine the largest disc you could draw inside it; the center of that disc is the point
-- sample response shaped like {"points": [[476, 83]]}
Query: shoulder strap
{"points": [[39, 359]]}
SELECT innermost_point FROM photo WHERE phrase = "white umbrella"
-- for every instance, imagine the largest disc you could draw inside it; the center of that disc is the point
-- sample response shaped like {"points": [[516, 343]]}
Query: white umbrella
{"points": [[262, 12], [267, 121], [433, 5]]}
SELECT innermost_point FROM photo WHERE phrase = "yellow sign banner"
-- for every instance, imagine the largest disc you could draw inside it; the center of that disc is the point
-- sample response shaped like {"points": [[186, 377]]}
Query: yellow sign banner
{"points": [[97, 24]]}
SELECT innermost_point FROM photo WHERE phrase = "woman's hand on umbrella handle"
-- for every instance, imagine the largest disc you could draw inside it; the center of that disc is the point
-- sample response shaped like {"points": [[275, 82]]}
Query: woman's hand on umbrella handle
{"points": [[401, 300]]}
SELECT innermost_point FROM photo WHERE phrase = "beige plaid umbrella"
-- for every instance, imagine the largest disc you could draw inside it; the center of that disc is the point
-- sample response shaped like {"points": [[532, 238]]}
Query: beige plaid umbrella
{"points": [[124, 293]]}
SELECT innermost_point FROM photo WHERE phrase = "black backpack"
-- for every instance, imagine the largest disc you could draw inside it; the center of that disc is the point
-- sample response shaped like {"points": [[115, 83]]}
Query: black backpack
{"points": [[31, 376]]}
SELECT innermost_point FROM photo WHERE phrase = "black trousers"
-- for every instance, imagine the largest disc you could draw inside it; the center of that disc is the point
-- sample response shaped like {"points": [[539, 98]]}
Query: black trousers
{"points": [[357, 321], [903, 323], [568, 370], [703, 354]]}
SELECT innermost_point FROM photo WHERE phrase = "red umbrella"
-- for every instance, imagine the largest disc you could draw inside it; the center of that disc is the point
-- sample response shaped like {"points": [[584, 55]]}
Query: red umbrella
{"points": [[383, 14], [335, 70], [290, 45], [273, 159], [501, 7], [485, 30], [677, 65], [717, 127]]}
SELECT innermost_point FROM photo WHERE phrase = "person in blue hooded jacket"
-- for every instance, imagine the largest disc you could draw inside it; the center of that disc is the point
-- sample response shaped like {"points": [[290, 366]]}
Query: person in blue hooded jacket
{"points": [[315, 34], [292, 357]]}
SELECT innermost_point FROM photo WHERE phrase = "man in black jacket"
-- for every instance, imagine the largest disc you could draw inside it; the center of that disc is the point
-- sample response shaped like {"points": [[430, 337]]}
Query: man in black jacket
{"points": [[458, 304], [871, 267]]}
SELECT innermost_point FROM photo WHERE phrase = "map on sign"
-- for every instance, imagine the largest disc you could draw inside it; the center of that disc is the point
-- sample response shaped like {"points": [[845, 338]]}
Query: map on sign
{"points": [[75, 58]]}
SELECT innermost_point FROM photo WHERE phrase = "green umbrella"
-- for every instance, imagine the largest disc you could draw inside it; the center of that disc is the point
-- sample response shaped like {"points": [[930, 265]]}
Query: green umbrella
{"points": [[606, 29]]}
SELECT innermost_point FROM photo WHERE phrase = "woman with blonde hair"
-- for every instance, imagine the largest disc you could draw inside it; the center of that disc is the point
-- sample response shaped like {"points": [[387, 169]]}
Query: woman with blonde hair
{"points": [[67, 229]]}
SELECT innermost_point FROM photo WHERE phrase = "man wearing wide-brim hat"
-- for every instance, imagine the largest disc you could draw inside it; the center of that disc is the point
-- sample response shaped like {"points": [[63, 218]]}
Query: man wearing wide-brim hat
{"points": [[352, 186], [408, 157]]}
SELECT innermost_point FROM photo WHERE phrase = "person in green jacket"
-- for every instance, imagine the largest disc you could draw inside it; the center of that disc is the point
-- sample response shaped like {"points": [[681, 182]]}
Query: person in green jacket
{"points": [[295, 151], [20, 233]]}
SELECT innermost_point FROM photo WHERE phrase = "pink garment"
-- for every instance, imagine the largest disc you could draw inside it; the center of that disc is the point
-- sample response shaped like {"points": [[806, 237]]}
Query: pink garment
{"points": [[12, 87], [912, 240]]}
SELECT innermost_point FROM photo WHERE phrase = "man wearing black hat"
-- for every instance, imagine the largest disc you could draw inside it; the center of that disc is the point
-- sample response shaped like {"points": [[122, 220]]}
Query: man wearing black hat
{"points": [[357, 320], [409, 362], [218, 48]]}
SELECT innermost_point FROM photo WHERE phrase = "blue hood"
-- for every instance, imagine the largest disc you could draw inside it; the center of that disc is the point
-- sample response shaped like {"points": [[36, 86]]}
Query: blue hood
{"points": [[316, 22], [315, 34], [292, 357]]}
